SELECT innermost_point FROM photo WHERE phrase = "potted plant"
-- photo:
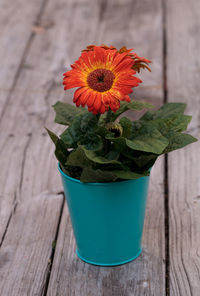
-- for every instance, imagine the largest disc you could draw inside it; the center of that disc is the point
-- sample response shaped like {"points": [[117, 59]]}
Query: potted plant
{"points": [[105, 158]]}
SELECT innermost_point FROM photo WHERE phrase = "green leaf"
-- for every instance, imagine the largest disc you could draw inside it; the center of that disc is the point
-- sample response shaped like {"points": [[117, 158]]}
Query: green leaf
{"points": [[83, 131], [145, 137], [170, 109], [78, 158], [72, 171], [65, 113], [112, 155], [82, 157], [178, 140], [91, 175], [53, 136], [93, 157], [102, 131], [61, 151], [126, 126], [128, 175], [145, 161], [138, 161], [178, 123], [133, 105], [167, 110], [170, 121]]}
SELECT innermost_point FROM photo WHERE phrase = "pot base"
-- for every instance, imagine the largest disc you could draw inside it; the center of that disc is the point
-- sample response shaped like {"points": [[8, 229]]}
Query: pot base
{"points": [[108, 264]]}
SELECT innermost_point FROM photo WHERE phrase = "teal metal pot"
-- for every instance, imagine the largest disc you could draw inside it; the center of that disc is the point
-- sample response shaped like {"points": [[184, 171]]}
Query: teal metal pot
{"points": [[107, 218]]}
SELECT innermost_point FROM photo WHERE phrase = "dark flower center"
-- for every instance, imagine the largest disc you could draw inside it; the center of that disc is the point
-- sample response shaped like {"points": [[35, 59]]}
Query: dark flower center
{"points": [[101, 79]]}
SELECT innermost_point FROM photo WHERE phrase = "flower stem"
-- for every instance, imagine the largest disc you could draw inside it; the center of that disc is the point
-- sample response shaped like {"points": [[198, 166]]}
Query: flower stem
{"points": [[98, 117], [109, 114]]}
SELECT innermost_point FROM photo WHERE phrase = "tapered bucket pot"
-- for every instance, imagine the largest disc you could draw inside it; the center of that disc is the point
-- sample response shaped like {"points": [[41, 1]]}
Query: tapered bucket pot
{"points": [[107, 218]]}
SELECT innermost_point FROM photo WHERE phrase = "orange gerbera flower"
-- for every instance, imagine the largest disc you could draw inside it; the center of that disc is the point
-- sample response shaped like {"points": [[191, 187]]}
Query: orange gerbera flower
{"points": [[104, 77]]}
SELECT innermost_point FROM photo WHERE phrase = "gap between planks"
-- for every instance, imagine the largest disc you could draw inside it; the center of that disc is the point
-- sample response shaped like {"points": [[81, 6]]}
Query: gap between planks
{"points": [[166, 182]]}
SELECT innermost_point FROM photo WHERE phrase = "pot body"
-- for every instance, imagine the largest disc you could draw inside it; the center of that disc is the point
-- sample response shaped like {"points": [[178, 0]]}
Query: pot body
{"points": [[107, 218]]}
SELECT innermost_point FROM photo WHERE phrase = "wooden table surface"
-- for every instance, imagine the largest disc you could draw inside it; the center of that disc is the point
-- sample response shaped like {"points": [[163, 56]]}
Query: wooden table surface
{"points": [[38, 39]]}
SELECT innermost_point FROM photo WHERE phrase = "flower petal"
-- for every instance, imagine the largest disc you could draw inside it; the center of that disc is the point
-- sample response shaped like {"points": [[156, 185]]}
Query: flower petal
{"points": [[78, 92]]}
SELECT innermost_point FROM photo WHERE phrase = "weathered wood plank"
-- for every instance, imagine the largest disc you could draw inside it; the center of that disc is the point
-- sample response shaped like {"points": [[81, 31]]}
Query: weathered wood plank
{"points": [[10, 176], [28, 245], [183, 46], [146, 275], [28, 166], [16, 21]]}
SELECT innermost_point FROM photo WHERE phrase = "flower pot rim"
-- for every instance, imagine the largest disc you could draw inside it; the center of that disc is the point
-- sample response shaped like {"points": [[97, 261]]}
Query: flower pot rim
{"points": [[94, 183]]}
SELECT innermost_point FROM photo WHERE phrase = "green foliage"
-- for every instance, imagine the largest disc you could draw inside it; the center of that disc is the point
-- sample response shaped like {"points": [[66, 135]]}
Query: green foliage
{"points": [[177, 122], [81, 157], [98, 175], [83, 131], [167, 110], [144, 137], [61, 151], [91, 175], [91, 150], [126, 127], [65, 113], [178, 140]]}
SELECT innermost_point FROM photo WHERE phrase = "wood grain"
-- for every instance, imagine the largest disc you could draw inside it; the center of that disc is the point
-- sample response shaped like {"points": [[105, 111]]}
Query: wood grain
{"points": [[16, 23], [183, 46], [17, 19], [27, 248], [146, 275]]}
